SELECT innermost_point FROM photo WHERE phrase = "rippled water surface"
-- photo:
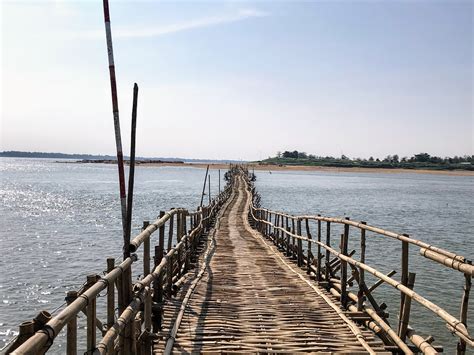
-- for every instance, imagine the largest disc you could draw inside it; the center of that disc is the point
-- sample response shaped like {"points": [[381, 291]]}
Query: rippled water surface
{"points": [[60, 221]]}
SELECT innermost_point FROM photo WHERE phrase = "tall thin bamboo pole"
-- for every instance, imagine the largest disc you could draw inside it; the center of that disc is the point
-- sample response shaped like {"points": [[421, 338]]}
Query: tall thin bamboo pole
{"points": [[209, 188], [204, 186], [131, 175], [115, 111]]}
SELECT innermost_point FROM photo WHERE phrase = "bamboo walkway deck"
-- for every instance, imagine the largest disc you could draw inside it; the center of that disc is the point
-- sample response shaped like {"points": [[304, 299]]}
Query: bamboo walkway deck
{"points": [[249, 299]]}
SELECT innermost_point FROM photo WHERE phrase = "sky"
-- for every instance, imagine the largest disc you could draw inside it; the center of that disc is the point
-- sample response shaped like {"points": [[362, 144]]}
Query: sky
{"points": [[240, 80]]}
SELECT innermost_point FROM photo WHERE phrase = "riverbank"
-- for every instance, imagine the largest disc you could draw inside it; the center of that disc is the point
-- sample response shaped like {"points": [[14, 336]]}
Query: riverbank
{"points": [[271, 167]]}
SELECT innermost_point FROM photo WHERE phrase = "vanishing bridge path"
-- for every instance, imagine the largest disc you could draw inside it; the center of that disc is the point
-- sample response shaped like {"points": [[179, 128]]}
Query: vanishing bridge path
{"points": [[252, 298]]}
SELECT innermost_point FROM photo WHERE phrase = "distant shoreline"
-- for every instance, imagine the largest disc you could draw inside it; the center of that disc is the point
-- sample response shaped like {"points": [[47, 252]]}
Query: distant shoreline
{"points": [[272, 167]]}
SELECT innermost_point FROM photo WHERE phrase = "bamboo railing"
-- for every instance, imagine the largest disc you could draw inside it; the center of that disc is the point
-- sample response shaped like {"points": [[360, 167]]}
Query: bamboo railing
{"points": [[329, 265], [132, 330]]}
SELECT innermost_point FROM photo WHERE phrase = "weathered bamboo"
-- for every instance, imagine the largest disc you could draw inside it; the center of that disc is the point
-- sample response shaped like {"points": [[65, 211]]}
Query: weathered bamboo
{"points": [[344, 244], [110, 295], [405, 314], [461, 348], [318, 261], [360, 294], [91, 317], [309, 255], [403, 279], [209, 188], [39, 340], [328, 253], [115, 111], [299, 244], [71, 332], [204, 186], [381, 232], [125, 318], [466, 268], [452, 323], [26, 330]]}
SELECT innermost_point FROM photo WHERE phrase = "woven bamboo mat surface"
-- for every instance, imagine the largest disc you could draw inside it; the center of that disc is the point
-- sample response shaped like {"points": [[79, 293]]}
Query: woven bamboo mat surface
{"points": [[250, 300]]}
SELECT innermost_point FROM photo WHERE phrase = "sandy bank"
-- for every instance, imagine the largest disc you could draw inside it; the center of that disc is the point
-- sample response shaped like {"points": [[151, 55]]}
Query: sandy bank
{"points": [[323, 169]]}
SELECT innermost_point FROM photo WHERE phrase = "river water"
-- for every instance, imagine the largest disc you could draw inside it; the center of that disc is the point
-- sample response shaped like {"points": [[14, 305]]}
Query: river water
{"points": [[60, 221]]}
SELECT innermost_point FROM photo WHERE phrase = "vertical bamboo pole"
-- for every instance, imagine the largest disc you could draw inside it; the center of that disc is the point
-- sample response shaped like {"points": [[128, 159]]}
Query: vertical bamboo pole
{"points": [[461, 348], [161, 243], [204, 186], [219, 181], [293, 230], [115, 111], [344, 245], [328, 255], [71, 340], [360, 294], [121, 305], [404, 279], [179, 235], [209, 187], [170, 233], [308, 258], [187, 251], [318, 275], [405, 315], [169, 266], [299, 243], [110, 296], [91, 317], [288, 245]]}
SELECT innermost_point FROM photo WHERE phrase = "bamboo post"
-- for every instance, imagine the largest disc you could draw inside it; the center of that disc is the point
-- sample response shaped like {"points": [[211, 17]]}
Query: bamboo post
{"points": [[287, 228], [161, 242], [179, 235], [204, 186], [405, 316], [71, 329], [209, 187], [404, 278], [131, 175], [360, 294], [308, 258], [328, 255], [169, 268], [110, 296], [318, 266], [344, 244], [293, 242], [121, 306], [187, 251], [115, 111], [275, 230], [299, 244], [91, 317], [170, 233], [146, 251], [461, 347]]}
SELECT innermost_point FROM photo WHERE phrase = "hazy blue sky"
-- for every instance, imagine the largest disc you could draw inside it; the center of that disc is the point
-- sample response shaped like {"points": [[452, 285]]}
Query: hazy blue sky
{"points": [[241, 80]]}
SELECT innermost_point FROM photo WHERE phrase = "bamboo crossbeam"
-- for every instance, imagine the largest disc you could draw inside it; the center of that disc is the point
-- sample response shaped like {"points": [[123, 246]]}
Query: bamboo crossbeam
{"points": [[39, 341], [146, 233], [453, 323], [378, 231]]}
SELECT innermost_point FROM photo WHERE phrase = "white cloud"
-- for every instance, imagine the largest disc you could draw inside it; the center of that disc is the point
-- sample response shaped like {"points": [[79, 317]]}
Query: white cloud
{"points": [[155, 31]]}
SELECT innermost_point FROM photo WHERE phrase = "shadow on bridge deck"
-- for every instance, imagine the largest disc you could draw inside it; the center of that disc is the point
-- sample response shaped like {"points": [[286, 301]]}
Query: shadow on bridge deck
{"points": [[250, 298]]}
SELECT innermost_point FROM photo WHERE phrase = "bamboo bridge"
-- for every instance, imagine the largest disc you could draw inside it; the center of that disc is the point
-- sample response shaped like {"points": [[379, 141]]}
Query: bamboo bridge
{"points": [[235, 277]]}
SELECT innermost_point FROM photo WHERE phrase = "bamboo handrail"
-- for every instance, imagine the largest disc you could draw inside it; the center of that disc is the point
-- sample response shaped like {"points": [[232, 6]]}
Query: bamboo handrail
{"points": [[45, 337], [466, 268], [439, 255], [40, 341], [455, 324]]}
